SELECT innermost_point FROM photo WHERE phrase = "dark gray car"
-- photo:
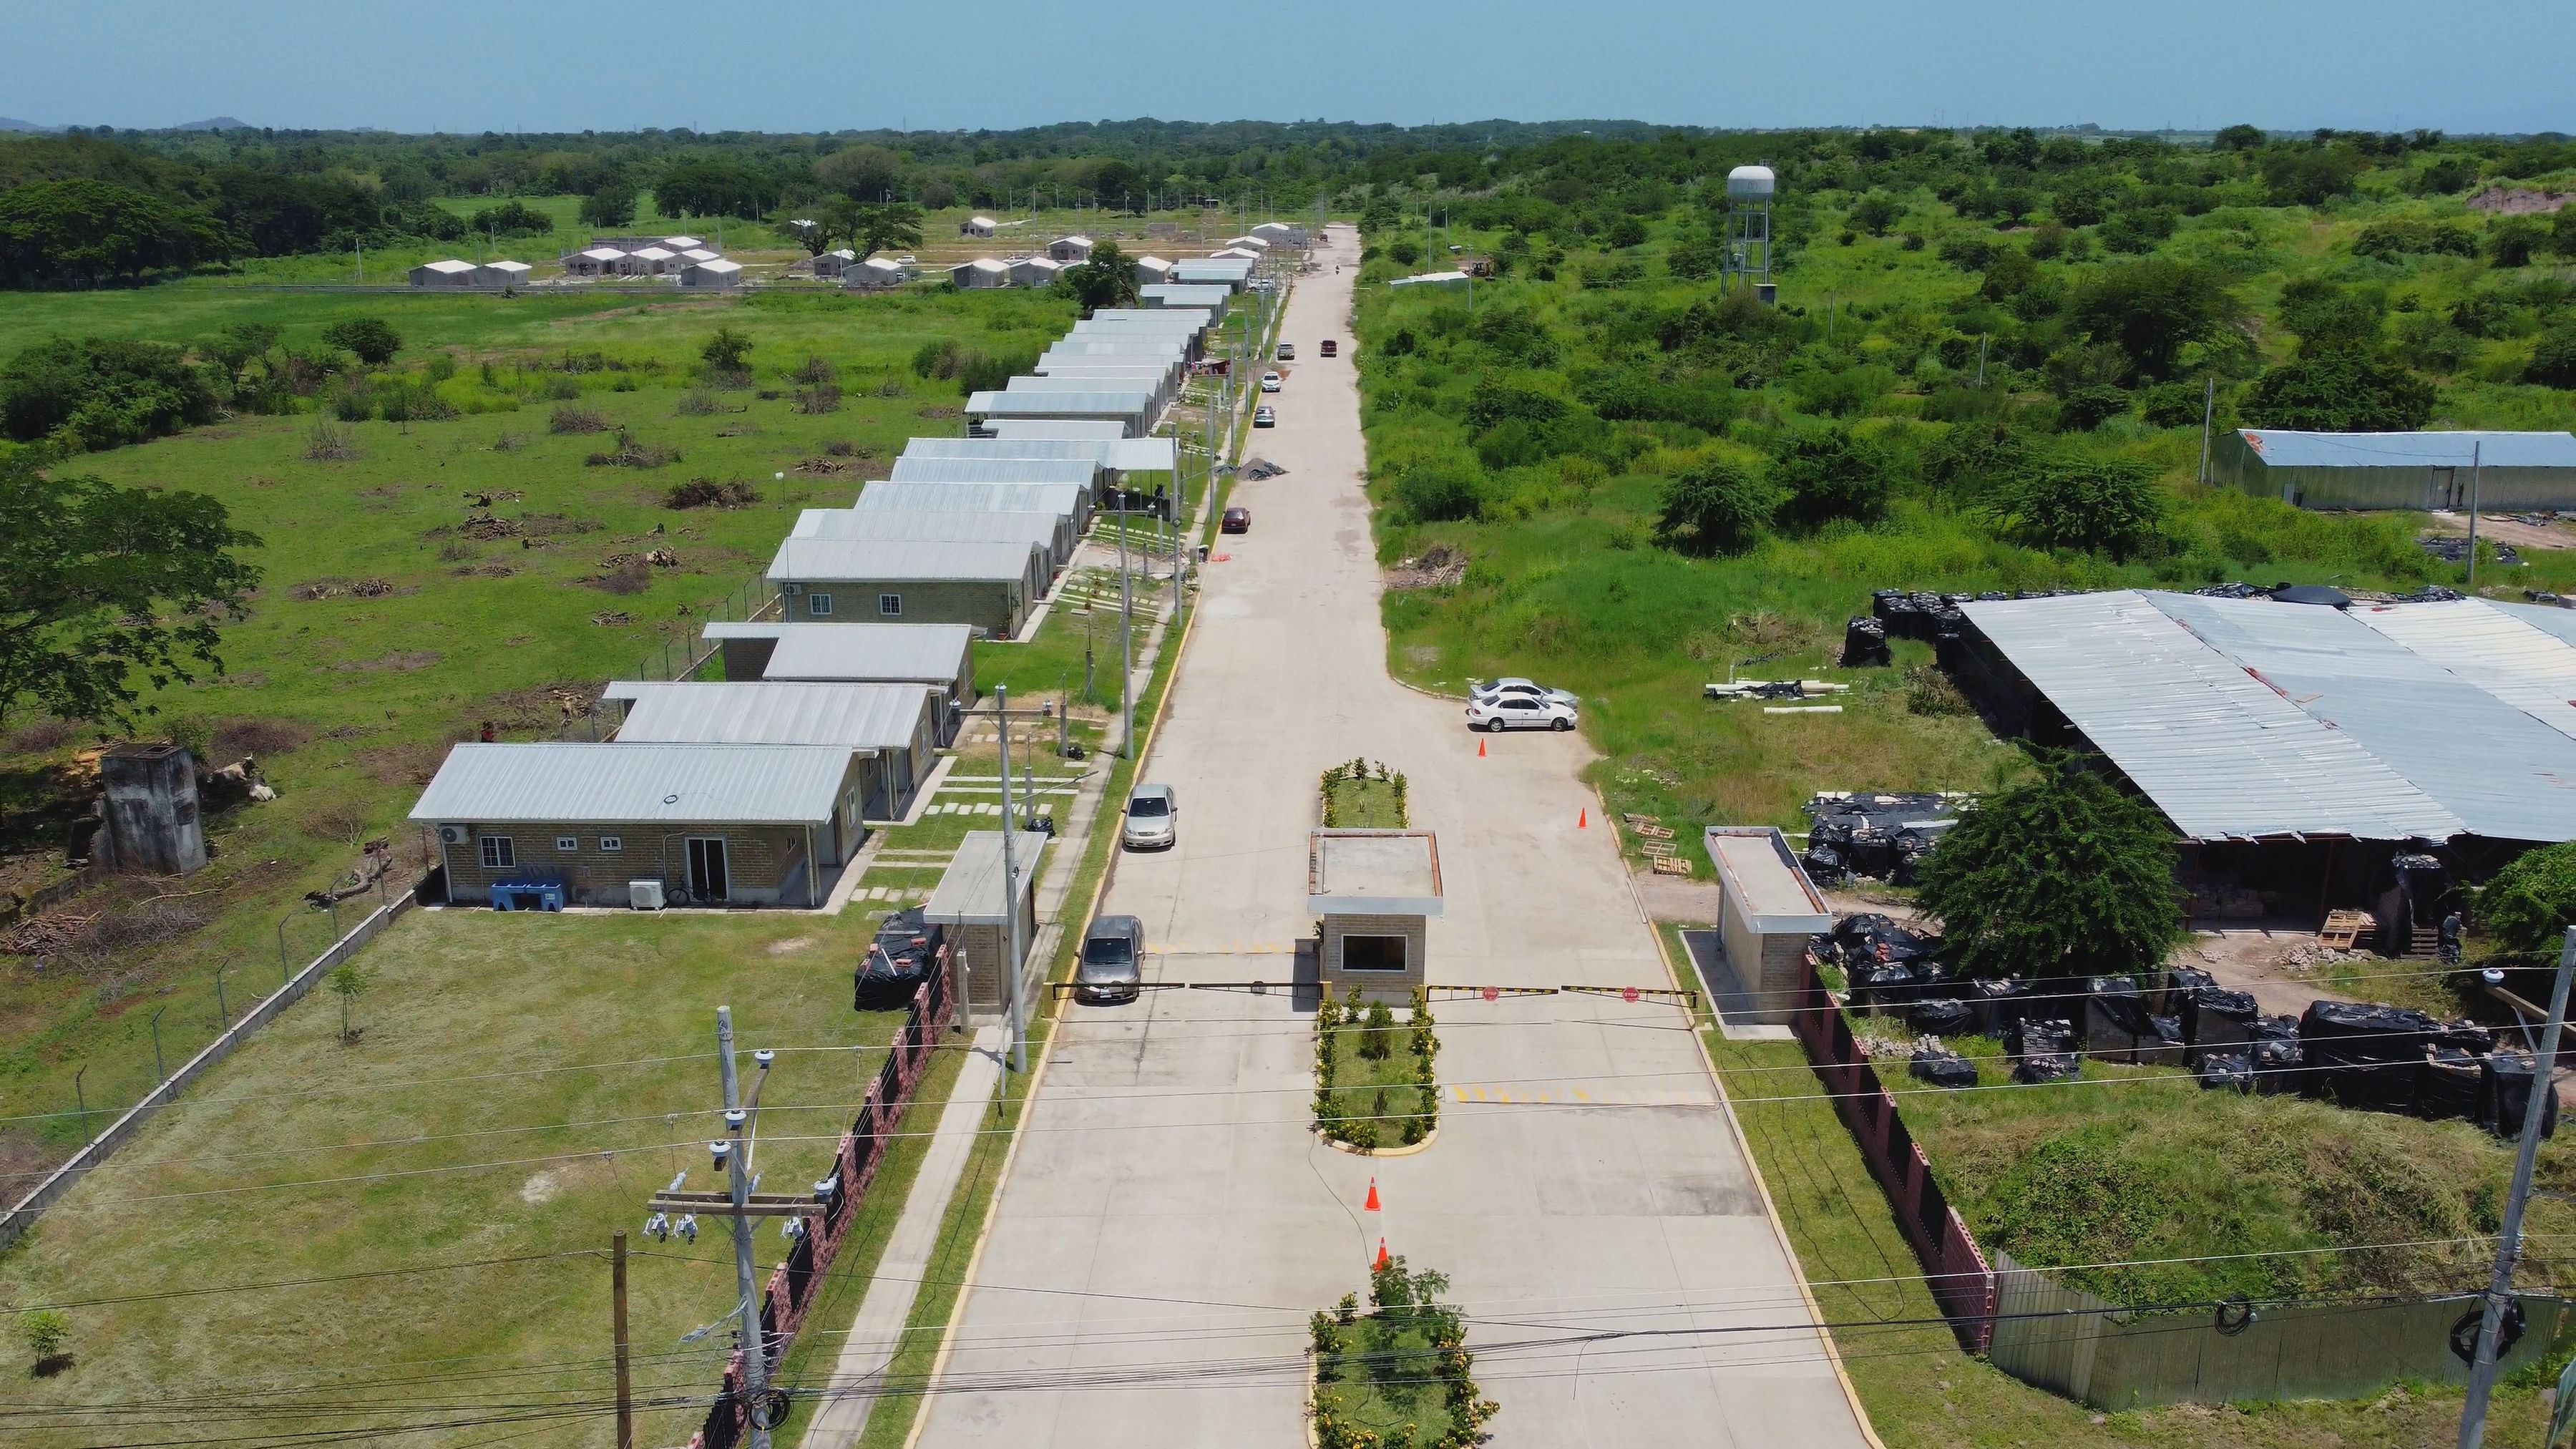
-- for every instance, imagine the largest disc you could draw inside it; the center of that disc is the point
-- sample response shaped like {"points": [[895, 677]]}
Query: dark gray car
{"points": [[1112, 967]]}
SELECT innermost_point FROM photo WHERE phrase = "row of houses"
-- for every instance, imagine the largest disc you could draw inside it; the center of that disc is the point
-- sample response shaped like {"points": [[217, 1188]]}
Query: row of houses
{"points": [[1232, 267], [760, 787], [466, 276]]}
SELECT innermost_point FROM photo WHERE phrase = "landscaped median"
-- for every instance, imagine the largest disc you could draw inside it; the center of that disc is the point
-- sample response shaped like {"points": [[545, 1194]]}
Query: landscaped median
{"points": [[1396, 1377], [1375, 1092]]}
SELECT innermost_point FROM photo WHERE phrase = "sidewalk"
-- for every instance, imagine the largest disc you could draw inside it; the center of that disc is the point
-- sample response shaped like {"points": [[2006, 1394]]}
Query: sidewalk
{"points": [[852, 1388]]}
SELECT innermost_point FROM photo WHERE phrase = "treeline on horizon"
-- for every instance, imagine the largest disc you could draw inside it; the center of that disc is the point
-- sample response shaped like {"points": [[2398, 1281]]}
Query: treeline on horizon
{"points": [[92, 207]]}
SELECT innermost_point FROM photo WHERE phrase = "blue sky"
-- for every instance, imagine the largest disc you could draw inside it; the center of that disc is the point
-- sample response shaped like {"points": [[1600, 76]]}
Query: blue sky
{"points": [[473, 65]]}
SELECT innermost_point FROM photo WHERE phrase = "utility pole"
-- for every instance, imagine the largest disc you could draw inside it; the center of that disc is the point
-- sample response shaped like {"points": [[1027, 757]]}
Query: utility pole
{"points": [[1013, 969], [2208, 412], [625, 1388], [1126, 645], [2482, 1369], [2474, 457]]}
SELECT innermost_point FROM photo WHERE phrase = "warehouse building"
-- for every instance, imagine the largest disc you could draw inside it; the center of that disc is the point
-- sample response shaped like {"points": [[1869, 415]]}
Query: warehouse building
{"points": [[1132, 409], [1081, 471], [1160, 384], [1279, 233], [503, 273], [2508, 472], [2300, 749], [1172, 294], [894, 728], [544, 825], [941, 656], [449, 273], [990, 586], [1098, 442], [1227, 272], [1068, 500]]}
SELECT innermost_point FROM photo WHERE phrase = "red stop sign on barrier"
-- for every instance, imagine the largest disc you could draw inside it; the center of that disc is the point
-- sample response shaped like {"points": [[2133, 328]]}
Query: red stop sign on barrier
{"points": [[1628, 993], [1493, 993]]}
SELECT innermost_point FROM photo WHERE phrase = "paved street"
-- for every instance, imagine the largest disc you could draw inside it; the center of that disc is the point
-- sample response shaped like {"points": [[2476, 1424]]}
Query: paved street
{"points": [[1169, 1221]]}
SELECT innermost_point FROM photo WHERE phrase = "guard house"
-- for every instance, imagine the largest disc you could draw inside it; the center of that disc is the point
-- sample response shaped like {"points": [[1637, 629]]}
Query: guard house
{"points": [[1373, 892], [969, 902], [1767, 910]]}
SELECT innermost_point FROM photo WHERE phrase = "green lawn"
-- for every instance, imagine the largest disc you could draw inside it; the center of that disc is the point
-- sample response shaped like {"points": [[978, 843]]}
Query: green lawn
{"points": [[1370, 1088], [1364, 804], [519, 1086]]}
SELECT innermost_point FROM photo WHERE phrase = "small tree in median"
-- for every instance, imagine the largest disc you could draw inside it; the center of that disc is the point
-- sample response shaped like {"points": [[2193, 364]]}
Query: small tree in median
{"points": [[47, 1333], [349, 981], [2062, 874]]}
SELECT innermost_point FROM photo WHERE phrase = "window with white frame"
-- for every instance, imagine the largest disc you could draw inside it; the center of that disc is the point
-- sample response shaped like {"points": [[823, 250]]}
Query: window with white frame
{"points": [[498, 853], [890, 605], [611, 844], [567, 844], [819, 605]]}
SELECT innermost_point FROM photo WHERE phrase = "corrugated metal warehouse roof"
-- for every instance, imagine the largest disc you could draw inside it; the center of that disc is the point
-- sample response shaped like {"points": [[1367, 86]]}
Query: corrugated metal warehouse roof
{"points": [[2285, 447], [1064, 499], [2221, 754], [925, 652], [1077, 471], [638, 784], [1055, 428], [852, 558], [926, 525], [2246, 718], [1126, 455], [872, 717]]}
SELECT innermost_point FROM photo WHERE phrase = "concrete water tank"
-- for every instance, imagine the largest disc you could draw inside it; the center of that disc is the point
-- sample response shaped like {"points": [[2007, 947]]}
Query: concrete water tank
{"points": [[151, 821], [1750, 183]]}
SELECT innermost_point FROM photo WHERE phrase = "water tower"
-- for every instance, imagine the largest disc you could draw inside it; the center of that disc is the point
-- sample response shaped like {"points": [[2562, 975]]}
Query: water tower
{"points": [[1748, 229]]}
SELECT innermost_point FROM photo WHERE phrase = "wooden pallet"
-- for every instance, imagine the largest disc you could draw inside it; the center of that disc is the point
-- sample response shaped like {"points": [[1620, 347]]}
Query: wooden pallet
{"points": [[1671, 865], [1655, 832], [1657, 848], [2344, 928]]}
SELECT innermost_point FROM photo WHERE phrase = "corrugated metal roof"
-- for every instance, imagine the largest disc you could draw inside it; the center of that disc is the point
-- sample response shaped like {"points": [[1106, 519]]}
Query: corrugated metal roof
{"points": [[1057, 428], [851, 558], [2410, 713], [856, 716], [2287, 447], [1184, 294], [2516, 660], [928, 653], [1157, 315], [1093, 448], [1077, 471], [2221, 754], [635, 784], [970, 893], [2547, 618], [1063, 499], [1145, 455], [917, 525], [1061, 404]]}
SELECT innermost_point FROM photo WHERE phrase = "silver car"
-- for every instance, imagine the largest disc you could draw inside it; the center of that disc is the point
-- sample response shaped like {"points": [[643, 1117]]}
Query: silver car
{"points": [[1153, 819], [1112, 967]]}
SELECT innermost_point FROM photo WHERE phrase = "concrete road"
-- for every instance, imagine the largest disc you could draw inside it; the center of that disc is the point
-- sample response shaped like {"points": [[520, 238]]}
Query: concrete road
{"points": [[1169, 1221]]}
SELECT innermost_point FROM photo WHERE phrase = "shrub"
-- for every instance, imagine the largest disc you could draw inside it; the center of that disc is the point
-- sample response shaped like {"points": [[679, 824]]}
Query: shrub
{"points": [[577, 420], [370, 339], [937, 359], [708, 493], [818, 399], [727, 351], [1716, 508], [1826, 476], [2095, 507], [2531, 903], [2511, 240], [102, 393], [2173, 405], [2339, 392], [46, 1332], [2403, 237], [1974, 457], [2553, 360], [983, 372], [2088, 408], [1438, 495]]}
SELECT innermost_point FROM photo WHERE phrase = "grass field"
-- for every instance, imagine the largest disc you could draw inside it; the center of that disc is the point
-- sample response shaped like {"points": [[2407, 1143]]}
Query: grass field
{"points": [[518, 1087]]}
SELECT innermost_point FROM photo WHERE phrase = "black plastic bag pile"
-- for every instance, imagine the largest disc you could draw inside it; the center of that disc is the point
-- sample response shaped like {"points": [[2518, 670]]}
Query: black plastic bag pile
{"points": [[1942, 1067], [1928, 617], [2367, 1057], [2044, 1049], [2115, 1017], [897, 961], [1942, 1016], [1880, 836], [1865, 644]]}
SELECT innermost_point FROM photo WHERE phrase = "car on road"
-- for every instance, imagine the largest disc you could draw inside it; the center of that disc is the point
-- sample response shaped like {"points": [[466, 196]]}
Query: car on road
{"points": [[1264, 418], [1287, 352], [1112, 967], [1270, 382], [1518, 712], [1497, 688], [1153, 818], [1331, 348], [1235, 520], [907, 259]]}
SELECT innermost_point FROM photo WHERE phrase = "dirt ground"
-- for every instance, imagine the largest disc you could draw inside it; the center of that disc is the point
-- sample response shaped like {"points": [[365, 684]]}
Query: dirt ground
{"points": [[2503, 528], [2269, 959]]}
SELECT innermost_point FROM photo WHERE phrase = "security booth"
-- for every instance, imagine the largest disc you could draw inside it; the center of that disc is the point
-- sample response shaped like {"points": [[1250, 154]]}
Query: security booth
{"points": [[1767, 912], [969, 904], [1373, 894]]}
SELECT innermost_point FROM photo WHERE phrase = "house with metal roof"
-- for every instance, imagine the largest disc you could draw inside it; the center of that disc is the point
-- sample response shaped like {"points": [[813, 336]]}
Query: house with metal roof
{"points": [[1172, 294], [544, 825], [991, 586], [1279, 232], [593, 261], [1432, 279], [2501, 471], [448, 273], [1253, 246], [1035, 272], [502, 273], [1068, 500], [941, 656], [1132, 408], [895, 727], [976, 226], [1050, 531], [650, 262], [874, 274], [1152, 270], [717, 273], [981, 272], [1070, 249], [1081, 470], [975, 906], [1230, 273], [831, 266]]}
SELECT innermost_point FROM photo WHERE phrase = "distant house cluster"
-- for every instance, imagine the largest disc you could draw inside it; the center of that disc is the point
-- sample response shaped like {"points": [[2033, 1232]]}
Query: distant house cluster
{"points": [[1230, 268], [685, 260], [470, 276]]}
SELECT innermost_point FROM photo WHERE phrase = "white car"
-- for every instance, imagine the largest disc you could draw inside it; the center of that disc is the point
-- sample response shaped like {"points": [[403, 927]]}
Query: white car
{"points": [[1493, 689], [1518, 712], [1269, 382], [1153, 819], [907, 259]]}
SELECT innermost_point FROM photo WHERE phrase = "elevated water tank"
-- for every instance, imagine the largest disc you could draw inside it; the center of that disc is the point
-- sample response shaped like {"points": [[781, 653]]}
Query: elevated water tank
{"points": [[1750, 183]]}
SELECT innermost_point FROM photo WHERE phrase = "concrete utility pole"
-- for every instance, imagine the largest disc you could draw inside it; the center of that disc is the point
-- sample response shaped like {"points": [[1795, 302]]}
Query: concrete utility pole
{"points": [[1017, 965], [1126, 645], [735, 1149], [625, 1387], [2208, 412], [2482, 1369]]}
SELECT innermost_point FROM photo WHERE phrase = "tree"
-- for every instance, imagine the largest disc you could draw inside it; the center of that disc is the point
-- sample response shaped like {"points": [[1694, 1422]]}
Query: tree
{"points": [[1118, 183], [373, 339], [46, 1333], [82, 232], [727, 351], [2329, 318], [2061, 875], [104, 588], [2089, 407], [1876, 212], [2108, 507], [611, 206], [2339, 392], [714, 188], [895, 226], [510, 218], [2531, 903], [2553, 358], [240, 345], [862, 173], [348, 981], [1974, 458], [1108, 279], [2153, 308], [100, 392], [2238, 138], [1713, 509], [1828, 475], [2511, 240]]}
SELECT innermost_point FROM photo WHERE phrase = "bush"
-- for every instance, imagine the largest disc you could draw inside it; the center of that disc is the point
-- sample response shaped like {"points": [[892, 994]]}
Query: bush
{"points": [[2088, 408], [371, 339], [2400, 237], [708, 493], [100, 392], [2553, 360], [1714, 509], [2339, 392], [510, 218], [577, 420], [1973, 458], [2511, 240], [2531, 903], [938, 359], [983, 372], [1438, 495], [2108, 508], [2174, 405], [1826, 476]]}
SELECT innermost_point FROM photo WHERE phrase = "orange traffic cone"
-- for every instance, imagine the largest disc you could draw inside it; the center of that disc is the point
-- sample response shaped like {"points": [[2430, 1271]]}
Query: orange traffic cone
{"points": [[1381, 1254], [1371, 1205], [1480, 749], [1583, 819]]}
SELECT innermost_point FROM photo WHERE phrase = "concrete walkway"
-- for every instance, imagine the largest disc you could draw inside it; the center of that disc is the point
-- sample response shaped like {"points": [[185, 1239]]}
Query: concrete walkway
{"points": [[878, 1331]]}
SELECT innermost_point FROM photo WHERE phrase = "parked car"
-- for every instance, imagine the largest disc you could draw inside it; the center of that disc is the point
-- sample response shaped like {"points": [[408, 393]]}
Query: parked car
{"points": [[1496, 688], [907, 259], [1112, 967], [1331, 348], [1518, 712], [1153, 819], [1270, 382], [1287, 352], [1235, 520], [1264, 418]]}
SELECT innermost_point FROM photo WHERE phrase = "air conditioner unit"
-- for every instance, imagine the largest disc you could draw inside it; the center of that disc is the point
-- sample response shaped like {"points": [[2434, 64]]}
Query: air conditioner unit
{"points": [[451, 835], [644, 895]]}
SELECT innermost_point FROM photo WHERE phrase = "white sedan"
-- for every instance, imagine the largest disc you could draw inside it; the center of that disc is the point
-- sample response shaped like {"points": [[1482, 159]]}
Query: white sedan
{"points": [[1493, 689], [1518, 712], [1269, 382]]}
